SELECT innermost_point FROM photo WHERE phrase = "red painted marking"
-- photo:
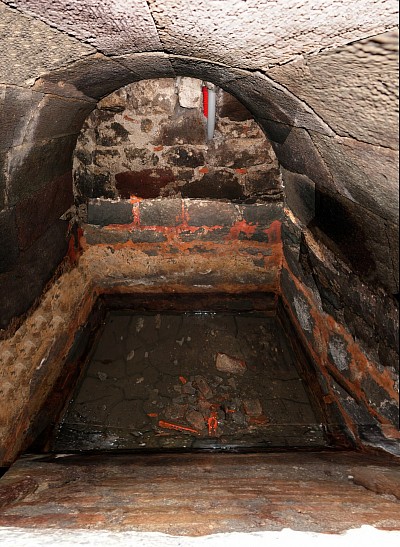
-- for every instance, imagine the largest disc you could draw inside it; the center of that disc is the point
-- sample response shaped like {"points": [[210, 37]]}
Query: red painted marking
{"points": [[203, 170], [204, 90], [183, 380], [152, 414], [212, 423], [135, 199], [176, 427], [74, 247], [241, 171], [158, 148]]}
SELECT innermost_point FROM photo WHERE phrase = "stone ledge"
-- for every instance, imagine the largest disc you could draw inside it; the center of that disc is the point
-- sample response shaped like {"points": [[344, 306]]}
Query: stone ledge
{"points": [[102, 212]]}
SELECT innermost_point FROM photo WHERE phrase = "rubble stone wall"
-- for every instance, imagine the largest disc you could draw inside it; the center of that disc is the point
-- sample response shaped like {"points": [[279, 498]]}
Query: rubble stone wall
{"points": [[149, 140]]}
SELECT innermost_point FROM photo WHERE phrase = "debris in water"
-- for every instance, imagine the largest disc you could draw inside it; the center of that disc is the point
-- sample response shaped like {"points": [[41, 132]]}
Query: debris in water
{"points": [[226, 363], [176, 427]]}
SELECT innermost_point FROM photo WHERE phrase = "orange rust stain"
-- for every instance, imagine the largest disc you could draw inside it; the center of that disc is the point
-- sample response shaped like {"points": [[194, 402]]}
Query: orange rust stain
{"points": [[212, 423], [183, 380], [203, 170], [158, 148], [136, 215], [241, 226], [74, 251], [176, 427], [241, 171], [274, 232]]}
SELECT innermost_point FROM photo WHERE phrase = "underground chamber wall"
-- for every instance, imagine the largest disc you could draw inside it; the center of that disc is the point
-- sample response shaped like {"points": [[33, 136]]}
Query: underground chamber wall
{"points": [[180, 242], [150, 175]]}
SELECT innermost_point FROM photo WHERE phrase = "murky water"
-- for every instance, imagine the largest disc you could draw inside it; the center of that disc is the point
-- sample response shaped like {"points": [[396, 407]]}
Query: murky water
{"points": [[192, 380]]}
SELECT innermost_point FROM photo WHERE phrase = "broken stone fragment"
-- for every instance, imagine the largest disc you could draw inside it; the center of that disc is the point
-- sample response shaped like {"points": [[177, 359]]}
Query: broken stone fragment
{"points": [[203, 387], [239, 419], [226, 363], [252, 407], [174, 412], [195, 419], [188, 389]]}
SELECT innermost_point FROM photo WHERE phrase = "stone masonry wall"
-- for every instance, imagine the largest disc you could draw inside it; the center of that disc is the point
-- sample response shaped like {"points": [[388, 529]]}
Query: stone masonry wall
{"points": [[351, 335], [149, 140]]}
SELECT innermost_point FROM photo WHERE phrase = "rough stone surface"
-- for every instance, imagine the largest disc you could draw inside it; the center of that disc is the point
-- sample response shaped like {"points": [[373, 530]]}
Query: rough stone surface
{"points": [[142, 141], [369, 316], [264, 32], [102, 212], [94, 76], [367, 174], [17, 106], [30, 274], [363, 250], [322, 285], [227, 363], [292, 482], [298, 154], [111, 27], [214, 184], [9, 248], [147, 183], [161, 212], [268, 100], [261, 213], [32, 166], [188, 221], [14, 29], [357, 78], [209, 213], [48, 205], [56, 117], [2, 181], [300, 195], [146, 65]]}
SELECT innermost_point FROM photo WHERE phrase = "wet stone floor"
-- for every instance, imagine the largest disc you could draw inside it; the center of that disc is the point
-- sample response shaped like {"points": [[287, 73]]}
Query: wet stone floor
{"points": [[193, 380]]}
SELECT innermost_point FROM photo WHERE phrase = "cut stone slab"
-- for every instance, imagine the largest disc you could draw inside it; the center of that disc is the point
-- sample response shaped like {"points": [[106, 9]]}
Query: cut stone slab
{"points": [[226, 363]]}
